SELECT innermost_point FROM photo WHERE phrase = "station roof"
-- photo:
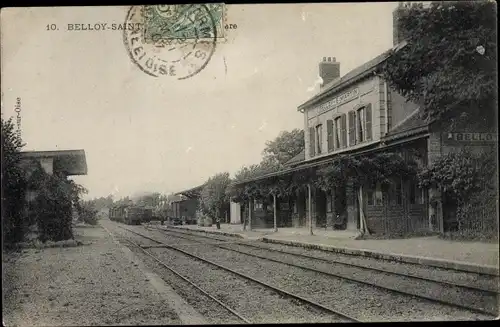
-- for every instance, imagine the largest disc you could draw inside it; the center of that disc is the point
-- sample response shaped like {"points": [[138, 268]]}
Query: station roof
{"points": [[193, 192], [301, 156], [414, 124], [73, 162], [351, 77]]}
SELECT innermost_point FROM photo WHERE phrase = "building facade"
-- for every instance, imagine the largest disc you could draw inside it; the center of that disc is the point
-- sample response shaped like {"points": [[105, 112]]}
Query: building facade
{"points": [[359, 114]]}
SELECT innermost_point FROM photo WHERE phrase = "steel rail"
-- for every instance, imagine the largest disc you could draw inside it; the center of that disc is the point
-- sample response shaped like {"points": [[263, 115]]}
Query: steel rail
{"points": [[276, 289], [225, 306], [475, 288], [445, 302]]}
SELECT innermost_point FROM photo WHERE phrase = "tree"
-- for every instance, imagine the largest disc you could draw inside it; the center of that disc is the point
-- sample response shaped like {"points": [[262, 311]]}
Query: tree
{"points": [[284, 147], [150, 199], [102, 203], [213, 195], [13, 184], [449, 62]]}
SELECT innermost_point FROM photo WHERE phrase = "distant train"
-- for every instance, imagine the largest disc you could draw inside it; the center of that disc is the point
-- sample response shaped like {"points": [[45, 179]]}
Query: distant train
{"points": [[130, 215]]}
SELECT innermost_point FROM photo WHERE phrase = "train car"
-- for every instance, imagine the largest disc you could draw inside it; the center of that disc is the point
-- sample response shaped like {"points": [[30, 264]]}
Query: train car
{"points": [[147, 215], [118, 213], [130, 215], [134, 215]]}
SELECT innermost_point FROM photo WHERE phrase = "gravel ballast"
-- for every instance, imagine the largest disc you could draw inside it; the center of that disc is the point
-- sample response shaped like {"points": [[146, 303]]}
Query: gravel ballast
{"points": [[212, 311], [253, 301], [440, 274], [94, 284], [373, 303], [456, 295]]}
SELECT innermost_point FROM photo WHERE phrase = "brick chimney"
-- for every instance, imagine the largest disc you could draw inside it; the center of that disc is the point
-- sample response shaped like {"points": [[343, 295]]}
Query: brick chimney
{"points": [[397, 32], [329, 70]]}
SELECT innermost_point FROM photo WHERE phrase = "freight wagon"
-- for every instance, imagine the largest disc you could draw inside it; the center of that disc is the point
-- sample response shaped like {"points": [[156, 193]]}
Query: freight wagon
{"points": [[130, 215]]}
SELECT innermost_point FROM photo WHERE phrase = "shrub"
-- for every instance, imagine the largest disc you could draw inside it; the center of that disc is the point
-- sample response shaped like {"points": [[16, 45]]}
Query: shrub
{"points": [[54, 209], [203, 219], [468, 183], [13, 185], [87, 213]]}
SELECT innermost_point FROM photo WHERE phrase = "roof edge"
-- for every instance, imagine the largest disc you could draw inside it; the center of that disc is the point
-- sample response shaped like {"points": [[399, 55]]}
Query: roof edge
{"points": [[328, 90]]}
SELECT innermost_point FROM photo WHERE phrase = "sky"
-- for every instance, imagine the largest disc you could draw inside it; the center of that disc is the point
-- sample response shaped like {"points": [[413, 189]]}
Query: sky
{"points": [[80, 90]]}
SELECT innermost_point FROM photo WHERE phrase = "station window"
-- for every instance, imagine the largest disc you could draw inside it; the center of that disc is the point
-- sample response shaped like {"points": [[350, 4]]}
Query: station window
{"points": [[319, 138], [295, 209], [360, 124], [337, 132]]}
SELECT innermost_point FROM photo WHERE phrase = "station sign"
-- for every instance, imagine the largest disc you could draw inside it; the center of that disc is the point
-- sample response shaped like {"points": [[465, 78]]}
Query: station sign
{"points": [[333, 103], [471, 137]]}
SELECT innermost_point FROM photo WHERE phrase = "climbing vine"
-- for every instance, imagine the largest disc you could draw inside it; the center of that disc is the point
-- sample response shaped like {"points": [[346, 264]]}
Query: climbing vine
{"points": [[370, 169], [467, 182], [366, 170]]}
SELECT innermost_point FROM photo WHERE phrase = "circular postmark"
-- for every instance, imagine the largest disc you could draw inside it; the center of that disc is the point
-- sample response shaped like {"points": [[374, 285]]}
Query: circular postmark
{"points": [[170, 40]]}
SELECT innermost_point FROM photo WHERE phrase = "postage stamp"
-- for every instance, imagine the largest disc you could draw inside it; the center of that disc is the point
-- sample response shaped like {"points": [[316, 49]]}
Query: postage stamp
{"points": [[173, 40], [167, 22]]}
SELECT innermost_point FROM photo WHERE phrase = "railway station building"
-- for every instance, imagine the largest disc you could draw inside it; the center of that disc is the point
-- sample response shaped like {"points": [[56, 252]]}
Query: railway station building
{"points": [[359, 114], [185, 206]]}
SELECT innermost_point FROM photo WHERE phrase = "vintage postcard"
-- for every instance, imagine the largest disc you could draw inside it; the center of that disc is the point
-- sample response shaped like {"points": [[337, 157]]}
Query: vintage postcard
{"points": [[217, 163]]}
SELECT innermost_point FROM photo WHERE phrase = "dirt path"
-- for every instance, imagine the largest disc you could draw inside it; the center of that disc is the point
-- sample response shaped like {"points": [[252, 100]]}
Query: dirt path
{"points": [[96, 284]]}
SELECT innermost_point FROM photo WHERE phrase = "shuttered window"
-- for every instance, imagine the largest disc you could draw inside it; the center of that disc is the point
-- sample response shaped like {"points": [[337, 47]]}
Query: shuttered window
{"points": [[337, 128], [319, 139], [343, 131], [352, 128], [329, 129], [360, 125], [312, 143], [368, 122]]}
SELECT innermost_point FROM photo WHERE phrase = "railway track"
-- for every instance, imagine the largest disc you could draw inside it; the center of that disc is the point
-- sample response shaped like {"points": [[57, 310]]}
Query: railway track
{"points": [[191, 283], [452, 294], [490, 282], [330, 311]]}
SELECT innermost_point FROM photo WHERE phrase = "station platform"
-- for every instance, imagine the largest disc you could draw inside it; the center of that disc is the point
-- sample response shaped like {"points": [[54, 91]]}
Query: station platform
{"points": [[478, 257]]}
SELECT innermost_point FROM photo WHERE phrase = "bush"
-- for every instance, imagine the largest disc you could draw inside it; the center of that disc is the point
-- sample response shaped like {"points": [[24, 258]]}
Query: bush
{"points": [[13, 185], [54, 209], [87, 213], [203, 219]]}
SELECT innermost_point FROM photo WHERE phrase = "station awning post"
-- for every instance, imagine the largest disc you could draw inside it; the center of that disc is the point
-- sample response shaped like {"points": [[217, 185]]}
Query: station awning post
{"points": [[275, 216]]}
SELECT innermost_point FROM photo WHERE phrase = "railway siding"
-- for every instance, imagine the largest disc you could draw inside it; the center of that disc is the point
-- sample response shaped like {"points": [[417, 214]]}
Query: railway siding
{"points": [[487, 282], [475, 299], [248, 298], [350, 297]]}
